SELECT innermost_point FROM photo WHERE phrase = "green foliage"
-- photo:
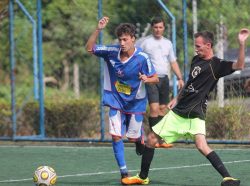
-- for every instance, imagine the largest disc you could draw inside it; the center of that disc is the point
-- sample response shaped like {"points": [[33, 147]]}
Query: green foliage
{"points": [[230, 122], [76, 118], [71, 118], [52, 94], [5, 119], [63, 118], [5, 94], [67, 24]]}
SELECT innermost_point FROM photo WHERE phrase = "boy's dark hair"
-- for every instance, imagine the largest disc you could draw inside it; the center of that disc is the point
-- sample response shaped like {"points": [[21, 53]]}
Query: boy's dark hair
{"points": [[207, 36], [156, 20], [125, 28]]}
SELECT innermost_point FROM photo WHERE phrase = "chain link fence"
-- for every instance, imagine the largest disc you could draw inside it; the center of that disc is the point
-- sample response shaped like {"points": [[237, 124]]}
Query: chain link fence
{"points": [[72, 78]]}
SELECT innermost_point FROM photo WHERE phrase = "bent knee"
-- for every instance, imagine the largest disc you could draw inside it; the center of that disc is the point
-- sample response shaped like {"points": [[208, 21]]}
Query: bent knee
{"points": [[163, 109], [203, 148], [152, 139]]}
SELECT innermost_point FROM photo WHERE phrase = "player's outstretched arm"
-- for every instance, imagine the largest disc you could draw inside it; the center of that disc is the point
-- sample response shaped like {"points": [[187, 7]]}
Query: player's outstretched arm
{"points": [[242, 37], [93, 37]]}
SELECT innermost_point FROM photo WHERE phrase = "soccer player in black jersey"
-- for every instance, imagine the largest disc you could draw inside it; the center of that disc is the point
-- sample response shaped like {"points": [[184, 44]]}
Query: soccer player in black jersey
{"points": [[187, 112]]}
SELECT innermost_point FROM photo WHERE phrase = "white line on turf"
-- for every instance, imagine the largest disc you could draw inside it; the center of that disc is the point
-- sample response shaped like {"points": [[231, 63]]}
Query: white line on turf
{"points": [[108, 147], [113, 172]]}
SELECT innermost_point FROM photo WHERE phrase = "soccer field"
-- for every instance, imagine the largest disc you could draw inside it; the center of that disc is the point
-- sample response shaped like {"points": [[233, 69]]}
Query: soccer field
{"points": [[88, 166]]}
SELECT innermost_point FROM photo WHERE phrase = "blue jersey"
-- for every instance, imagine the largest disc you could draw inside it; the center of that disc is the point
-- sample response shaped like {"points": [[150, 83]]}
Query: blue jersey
{"points": [[123, 90]]}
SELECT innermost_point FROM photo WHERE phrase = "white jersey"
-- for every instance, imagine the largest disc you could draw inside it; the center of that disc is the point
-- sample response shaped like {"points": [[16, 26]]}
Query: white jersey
{"points": [[160, 51]]}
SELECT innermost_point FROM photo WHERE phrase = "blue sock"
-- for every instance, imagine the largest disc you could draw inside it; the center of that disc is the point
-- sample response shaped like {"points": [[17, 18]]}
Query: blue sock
{"points": [[118, 148]]}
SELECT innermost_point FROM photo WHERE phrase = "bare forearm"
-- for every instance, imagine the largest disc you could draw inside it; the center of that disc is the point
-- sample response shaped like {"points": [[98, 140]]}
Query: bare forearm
{"points": [[153, 79], [92, 40], [242, 37], [239, 65], [176, 70], [146, 79]]}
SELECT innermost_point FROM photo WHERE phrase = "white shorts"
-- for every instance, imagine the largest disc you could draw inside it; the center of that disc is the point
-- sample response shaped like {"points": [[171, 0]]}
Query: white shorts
{"points": [[121, 124]]}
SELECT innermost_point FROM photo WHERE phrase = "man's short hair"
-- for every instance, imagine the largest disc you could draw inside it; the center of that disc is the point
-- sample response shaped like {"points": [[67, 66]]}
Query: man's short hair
{"points": [[207, 36], [156, 20], [125, 28]]}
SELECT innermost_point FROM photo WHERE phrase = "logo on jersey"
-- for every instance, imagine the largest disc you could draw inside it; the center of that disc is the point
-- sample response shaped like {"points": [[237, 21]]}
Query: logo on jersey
{"points": [[206, 102], [192, 89], [120, 73], [196, 71]]}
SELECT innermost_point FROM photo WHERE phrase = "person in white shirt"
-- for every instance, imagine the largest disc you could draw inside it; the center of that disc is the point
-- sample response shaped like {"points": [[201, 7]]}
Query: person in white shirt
{"points": [[161, 53]]}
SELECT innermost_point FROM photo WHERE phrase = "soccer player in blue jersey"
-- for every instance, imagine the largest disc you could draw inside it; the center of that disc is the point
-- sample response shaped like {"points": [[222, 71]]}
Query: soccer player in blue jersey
{"points": [[126, 70], [188, 111]]}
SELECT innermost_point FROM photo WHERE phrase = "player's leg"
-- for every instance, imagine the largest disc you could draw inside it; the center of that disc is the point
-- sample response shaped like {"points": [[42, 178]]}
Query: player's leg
{"points": [[202, 146], [148, 154], [140, 145], [118, 149], [163, 101], [153, 114], [153, 99], [135, 132], [117, 130], [152, 92], [147, 157], [163, 96]]}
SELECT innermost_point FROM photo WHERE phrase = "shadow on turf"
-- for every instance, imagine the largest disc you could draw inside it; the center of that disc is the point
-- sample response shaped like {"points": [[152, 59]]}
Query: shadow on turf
{"points": [[90, 183], [116, 182], [154, 183]]}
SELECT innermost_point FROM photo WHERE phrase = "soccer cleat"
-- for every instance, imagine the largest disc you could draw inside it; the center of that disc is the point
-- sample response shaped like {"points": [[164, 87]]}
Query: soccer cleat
{"points": [[139, 148], [163, 145], [135, 180], [123, 175], [229, 181]]}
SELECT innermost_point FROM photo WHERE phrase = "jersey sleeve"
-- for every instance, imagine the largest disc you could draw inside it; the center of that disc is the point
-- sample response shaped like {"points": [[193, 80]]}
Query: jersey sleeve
{"points": [[104, 50], [147, 66], [223, 68]]}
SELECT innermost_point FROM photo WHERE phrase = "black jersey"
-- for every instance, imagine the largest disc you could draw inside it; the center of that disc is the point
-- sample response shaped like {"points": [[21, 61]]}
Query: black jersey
{"points": [[204, 75]]}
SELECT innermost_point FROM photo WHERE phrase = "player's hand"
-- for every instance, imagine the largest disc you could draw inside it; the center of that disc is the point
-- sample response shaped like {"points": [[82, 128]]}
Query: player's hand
{"points": [[243, 35], [102, 23], [180, 84], [143, 77], [172, 103]]}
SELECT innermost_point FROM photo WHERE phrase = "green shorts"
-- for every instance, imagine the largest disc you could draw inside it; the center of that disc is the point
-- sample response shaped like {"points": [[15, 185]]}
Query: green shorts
{"points": [[173, 127]]}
